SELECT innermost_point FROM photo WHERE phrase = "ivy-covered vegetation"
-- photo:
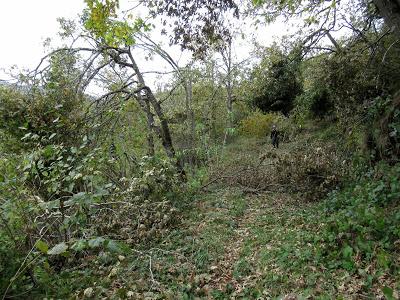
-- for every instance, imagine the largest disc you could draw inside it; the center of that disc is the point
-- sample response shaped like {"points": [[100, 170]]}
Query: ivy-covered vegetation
{"points": [[175, 191]]}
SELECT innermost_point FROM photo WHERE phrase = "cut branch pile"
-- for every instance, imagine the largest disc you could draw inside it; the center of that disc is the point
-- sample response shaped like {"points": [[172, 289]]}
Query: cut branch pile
{"points": [[312, 172]]}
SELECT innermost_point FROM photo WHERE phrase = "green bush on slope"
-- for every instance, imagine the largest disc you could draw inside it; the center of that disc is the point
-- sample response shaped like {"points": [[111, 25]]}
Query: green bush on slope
{"points": [[363, 222]]}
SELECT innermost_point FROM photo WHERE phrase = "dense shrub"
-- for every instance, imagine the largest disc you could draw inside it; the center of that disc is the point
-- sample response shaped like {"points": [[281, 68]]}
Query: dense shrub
{"points": [[59, 192], [82, 222], [382, 137], [275, 82], [316, 102], [49, 113]]}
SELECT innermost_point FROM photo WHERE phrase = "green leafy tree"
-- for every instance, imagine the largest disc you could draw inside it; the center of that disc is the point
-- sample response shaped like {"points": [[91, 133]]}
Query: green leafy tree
{"points": [[196, 25], [275, 82]]}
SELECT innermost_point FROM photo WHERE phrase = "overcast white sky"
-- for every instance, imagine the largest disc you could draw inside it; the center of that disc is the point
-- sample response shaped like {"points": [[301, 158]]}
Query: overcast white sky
{"points": [[25, 24]]}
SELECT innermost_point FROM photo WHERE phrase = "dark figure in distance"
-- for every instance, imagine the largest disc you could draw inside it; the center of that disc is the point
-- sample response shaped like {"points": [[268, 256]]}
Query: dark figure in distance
{"points": [[275, 137]]}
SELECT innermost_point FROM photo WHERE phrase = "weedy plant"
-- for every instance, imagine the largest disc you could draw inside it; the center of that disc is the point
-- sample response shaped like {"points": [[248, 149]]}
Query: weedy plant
{"points": [[362, 233]]}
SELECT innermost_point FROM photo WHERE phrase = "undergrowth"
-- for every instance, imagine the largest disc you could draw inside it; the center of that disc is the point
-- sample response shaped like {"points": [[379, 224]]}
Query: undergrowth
{"points": [[238, 237]]}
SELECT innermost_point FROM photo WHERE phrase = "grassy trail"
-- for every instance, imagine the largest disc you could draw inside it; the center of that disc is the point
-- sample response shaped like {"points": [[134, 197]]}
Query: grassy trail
{"points": [[236, 242], [259, 245], [260, 250], [254, 245]]}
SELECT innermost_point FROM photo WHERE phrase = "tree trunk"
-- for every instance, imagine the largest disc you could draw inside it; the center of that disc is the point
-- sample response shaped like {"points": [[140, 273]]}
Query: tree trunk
{"points": [[164, 132], [390, 11], [150, 126], [191, 126], [229, 86], [227, 57]]}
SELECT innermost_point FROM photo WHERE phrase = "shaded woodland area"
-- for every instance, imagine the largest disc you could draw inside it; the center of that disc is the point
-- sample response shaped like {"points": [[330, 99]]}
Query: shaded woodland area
{"points": [[173, 190]]}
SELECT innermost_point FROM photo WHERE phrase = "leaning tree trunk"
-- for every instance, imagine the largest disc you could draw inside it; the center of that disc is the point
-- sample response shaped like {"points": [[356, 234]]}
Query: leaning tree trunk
{"points": [[164, 131], [150, 125]]}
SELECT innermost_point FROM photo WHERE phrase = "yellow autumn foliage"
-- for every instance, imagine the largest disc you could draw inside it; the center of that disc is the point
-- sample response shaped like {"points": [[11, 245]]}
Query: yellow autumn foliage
{"points": [[259, 124]]}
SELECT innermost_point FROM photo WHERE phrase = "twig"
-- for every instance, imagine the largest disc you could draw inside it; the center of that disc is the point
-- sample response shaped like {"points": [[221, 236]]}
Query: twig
{"points": [[22, 264], [151, 272]]}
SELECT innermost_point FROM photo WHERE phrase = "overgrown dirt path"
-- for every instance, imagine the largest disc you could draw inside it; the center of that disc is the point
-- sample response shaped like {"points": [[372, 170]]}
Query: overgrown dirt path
{"points": [[257, 226], [254, 240], [240, 238], [249, 232]]}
